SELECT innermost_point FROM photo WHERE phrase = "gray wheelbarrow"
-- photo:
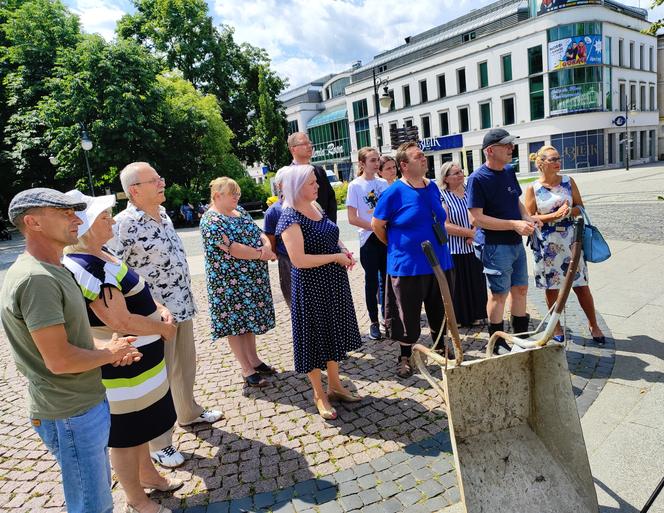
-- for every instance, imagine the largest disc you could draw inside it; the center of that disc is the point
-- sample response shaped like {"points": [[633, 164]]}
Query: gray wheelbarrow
{"points": [[514, 426]]}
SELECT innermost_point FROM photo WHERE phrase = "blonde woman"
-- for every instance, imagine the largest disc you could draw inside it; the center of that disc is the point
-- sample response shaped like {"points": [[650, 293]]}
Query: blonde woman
{"points": [[363, 194], [119, 300], [236, 255], [469, 287], [554, 199], [322, 311]]}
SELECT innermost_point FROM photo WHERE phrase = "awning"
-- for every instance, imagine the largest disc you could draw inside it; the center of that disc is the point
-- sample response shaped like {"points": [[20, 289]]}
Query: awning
{"points": [[328, 116]]}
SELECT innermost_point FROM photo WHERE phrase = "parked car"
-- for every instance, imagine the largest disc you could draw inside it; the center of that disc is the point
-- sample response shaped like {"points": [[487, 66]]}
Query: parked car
{"points": [[334, 181]]}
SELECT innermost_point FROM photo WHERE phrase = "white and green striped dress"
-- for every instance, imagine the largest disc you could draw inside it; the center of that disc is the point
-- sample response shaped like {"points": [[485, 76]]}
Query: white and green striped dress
{"points": [[139, 394]]}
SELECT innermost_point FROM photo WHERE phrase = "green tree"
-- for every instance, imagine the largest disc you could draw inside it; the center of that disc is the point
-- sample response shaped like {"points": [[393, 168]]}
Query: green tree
{"points": [[112, 88], [270, 127]]}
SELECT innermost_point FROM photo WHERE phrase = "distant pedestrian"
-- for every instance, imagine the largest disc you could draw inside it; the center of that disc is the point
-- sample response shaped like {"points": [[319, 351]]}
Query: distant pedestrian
{"points": [[407, 214], [363, 194], [494, 206], [119, 300], [302, 150], [271, 220], [554, 200], [44, 316], [469, 288], [322, 311], [147, 241], [238, 281]]}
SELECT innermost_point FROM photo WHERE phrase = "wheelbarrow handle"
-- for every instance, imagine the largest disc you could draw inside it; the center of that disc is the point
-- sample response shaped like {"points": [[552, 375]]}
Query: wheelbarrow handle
{"points": [[430, 254], [579, 224]]}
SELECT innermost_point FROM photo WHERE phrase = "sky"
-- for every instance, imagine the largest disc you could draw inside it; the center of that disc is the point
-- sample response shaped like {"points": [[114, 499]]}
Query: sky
{"points": [[307, 39]]}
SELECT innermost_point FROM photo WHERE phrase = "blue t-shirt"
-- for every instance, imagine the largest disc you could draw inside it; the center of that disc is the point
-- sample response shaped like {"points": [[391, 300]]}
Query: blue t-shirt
{"points": [[270, 221], [497, 193], [409, 223]]}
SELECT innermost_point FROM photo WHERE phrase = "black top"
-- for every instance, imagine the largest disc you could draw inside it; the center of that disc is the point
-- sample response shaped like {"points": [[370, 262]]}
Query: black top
{"points": [[326, 196]]}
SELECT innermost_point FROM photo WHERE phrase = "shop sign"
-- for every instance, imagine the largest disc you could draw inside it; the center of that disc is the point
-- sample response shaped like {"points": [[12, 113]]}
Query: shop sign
{"points": [[332, 150], [575, 51], [446, 142], [537, 7], [575, 98]]}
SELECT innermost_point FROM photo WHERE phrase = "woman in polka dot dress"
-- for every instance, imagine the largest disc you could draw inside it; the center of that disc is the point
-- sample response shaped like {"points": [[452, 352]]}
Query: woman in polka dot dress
{"points": [[323, 315]]}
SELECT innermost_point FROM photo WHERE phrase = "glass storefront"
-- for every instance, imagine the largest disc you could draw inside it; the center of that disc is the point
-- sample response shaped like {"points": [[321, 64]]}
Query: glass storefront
{"points": [[331, 142], [580, 150]]}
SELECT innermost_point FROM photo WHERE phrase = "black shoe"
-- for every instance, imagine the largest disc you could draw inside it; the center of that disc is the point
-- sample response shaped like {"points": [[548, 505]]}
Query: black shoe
{"points": [[501, 347], [374, 331]]}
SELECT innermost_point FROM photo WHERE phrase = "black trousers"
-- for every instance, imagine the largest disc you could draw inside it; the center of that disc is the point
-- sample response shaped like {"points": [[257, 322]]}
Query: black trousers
{"points": [[373, 257]]}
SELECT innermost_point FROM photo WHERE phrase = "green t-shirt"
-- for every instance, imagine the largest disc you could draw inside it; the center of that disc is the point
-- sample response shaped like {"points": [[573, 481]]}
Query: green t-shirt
{"points": [[37, 295]]}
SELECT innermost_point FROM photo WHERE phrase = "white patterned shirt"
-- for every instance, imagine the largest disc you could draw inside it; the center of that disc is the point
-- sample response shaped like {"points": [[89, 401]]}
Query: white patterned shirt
{"points": [[155, 251]]}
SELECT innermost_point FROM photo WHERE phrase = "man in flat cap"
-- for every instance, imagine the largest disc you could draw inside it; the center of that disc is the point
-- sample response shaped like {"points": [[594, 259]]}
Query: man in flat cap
{"points": [[45, 318], [494, 206]]}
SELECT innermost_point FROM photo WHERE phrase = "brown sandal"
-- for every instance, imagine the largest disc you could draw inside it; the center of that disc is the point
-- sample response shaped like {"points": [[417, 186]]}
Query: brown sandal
{"points": [[404, 370]]}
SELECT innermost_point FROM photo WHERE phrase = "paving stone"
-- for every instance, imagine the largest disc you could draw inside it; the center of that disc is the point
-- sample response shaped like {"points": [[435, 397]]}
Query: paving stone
{"points": [[241, 505], [366, 482], [349, 488], [283, 507], [406, 482], [369, 496], [195, 509], [342, 477], [430, 488], [284, 495], [323, 496], [381, 463], [330, 507], [399, 470], [304, 502], [387, 490], [218, 507], [397, 457], [391, 506], [307, 487], [263, 500], [322, 484], [409, 497], [351, 502]]}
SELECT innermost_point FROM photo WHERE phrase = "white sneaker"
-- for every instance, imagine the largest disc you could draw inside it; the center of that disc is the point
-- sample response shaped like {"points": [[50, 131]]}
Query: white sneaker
{"points": [[209, 416], [168, 457]]}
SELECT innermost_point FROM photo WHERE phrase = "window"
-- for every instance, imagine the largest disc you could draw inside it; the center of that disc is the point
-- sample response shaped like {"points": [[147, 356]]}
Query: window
{"points": [[652, 98], [444, 120], [642, 143], [642, 97], [424, 93], [407, 123], [393, 107], [461, 80], [337, 88], [485, 115], [379, 136], [623, 96], [464, 125], [632, 96], [607, 50], [362, 136], [393, 127], [426, 127], [535, 60], [621, 52], [445, 157], [642, 57], [483, 74], [506, 61], [431, 172], [631, 54], [508, 111], [612, 148], [574, 29], [406, 96], [651, 59], [468, 36], [469, 161], [652, 143], [536, 97], [360, 110], [293, 127], [442, 90]]}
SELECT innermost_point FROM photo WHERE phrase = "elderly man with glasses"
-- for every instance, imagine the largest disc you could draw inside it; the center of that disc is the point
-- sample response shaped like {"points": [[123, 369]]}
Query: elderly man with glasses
{"points": [[146, 240], [301, 149], [494, 206]]}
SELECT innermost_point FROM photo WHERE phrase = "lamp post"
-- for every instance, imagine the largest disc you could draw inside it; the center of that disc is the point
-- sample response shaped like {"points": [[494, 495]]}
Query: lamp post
{"points": [[86, 144], [384, 101]]}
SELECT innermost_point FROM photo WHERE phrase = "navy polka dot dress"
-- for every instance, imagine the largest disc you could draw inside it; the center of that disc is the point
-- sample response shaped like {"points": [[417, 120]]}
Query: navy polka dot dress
{"points": [[322, 310]]}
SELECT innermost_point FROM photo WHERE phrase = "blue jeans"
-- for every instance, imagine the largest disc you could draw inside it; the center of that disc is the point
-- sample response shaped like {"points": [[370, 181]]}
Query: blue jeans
{"points": [[80, 445], [505, 266]]}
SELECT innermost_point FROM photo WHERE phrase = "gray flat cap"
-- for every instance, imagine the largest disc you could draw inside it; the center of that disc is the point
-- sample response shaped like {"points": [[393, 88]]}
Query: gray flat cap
{"points": [[42, 197]]}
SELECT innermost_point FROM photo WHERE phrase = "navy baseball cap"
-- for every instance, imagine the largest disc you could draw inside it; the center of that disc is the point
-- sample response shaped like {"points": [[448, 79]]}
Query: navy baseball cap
{"points": [[497, 136]]}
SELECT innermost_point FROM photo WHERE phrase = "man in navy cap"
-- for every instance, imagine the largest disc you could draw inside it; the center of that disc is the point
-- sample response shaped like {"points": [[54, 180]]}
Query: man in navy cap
{"points": [[494, 206], [45, 318]]}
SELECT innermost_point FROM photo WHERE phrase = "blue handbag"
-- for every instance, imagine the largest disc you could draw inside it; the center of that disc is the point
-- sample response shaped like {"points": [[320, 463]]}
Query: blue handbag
{"points": [[595, 248]]}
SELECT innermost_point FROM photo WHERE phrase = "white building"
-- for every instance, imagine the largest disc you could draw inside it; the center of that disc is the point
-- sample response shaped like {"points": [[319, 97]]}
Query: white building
{"points": [[562, 77]]}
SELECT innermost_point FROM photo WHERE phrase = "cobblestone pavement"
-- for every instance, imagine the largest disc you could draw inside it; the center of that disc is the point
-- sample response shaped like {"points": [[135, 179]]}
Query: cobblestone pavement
{"points": [[390, 452]]}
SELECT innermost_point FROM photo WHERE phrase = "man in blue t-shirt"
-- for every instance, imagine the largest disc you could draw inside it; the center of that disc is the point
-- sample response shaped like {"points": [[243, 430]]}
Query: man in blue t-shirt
{"points": [[271, 220], [494, 205], [409, 212]]}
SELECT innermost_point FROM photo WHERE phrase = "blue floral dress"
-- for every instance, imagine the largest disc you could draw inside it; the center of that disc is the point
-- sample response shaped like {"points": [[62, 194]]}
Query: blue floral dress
{"points": [[238, 290], [554, 254], [322, 311]]}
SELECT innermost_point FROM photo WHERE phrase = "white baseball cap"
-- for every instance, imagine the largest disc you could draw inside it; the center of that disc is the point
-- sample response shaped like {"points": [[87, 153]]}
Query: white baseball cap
{"points": [[95, 206]]}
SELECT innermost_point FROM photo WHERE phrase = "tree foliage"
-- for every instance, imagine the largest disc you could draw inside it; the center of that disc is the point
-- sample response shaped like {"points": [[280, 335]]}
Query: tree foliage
{"points": [[270, 127]]}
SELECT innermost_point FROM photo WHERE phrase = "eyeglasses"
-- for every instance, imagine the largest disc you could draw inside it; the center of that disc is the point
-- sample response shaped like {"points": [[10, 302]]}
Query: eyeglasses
{"points": [[553, 159], [154, 181], [456, 173], [302, 144]]}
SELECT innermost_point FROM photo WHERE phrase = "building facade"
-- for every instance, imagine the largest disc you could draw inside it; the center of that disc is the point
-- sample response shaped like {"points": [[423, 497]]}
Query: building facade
{"points": [[577, 77]]}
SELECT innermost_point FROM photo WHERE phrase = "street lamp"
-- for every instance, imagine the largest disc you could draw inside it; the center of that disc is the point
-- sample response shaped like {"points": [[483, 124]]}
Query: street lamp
{"points": [[86, 144], [384, 101], [628, 142]]}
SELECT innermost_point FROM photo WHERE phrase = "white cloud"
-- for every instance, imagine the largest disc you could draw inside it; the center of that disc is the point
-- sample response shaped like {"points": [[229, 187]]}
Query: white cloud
{"points": [[98, 16]]}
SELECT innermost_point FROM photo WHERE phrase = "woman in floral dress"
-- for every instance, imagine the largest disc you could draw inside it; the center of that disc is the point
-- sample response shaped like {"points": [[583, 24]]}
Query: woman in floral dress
{"points": [[236, 255], [554, 199]]}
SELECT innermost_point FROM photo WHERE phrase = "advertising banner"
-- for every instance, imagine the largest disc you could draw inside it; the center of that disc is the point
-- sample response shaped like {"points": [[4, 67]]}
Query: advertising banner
{"points": [[446, 142], [575, 98], [575, 51], [538, 7]]}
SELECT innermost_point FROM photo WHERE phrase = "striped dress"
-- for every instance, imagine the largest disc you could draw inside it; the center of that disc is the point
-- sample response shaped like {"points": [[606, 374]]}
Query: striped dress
{"points": [[138, 394], [469, 294]]}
